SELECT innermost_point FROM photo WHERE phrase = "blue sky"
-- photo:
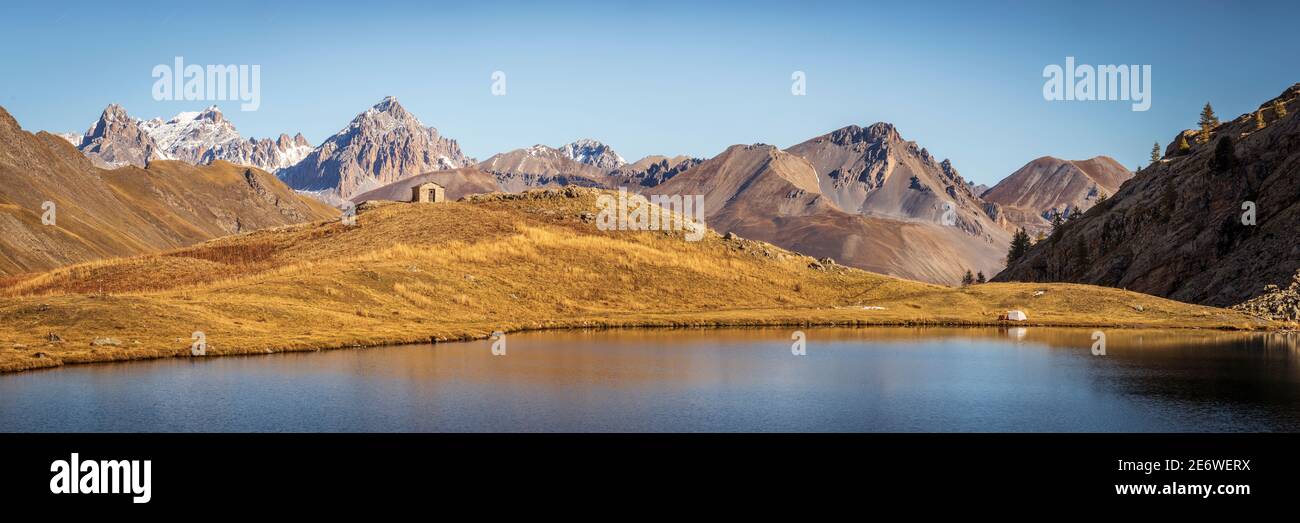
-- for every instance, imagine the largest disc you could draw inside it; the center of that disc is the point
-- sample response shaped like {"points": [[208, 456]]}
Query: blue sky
{"points": [[963, 79]]}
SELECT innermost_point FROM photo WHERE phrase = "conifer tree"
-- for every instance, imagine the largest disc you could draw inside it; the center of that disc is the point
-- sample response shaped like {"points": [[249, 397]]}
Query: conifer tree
{"points": [[967, 279], [1155, 153], [979, 278], [1019, 246], [1057, 221], [1208, 122]]}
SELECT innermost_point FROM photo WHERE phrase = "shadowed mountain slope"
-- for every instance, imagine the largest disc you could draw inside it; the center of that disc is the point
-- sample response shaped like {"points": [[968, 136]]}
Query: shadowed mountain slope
{"points": [[1177, 228]]}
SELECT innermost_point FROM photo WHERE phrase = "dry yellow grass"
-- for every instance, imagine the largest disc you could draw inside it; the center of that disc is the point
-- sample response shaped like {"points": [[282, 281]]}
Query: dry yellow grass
{"points": [[415, 273]]}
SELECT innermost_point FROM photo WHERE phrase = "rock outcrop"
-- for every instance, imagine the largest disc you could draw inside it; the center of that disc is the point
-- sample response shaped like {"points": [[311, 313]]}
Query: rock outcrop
{"points": [[117, 140], [1276, 303]]}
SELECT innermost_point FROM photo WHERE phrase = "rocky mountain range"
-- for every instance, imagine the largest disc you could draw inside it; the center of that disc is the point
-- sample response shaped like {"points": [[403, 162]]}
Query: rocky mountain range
{"points": [[95, 213], [649, 171], [1213, 224], [116, 139], [544, 166], [1032, 195], [382, 145], [207, 136], [591, 152], [861, 196]]}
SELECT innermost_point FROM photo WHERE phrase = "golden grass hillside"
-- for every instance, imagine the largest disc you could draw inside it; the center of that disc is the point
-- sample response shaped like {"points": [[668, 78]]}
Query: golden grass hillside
{"points": [[449, 271]]}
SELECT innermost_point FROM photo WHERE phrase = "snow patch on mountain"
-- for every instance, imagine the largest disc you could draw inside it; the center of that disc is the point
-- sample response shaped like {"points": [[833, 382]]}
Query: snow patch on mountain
{"points": [[594, 153], [196, 137]]}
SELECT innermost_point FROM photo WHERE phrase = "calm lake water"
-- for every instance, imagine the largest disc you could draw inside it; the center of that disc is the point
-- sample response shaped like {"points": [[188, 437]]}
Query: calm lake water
{"points": [[878, 379]]}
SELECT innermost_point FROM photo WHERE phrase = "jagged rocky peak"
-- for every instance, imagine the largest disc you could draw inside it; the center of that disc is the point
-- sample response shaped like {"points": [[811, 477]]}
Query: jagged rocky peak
{"points": [[390, 105], [285, 141], [949, 170], [381, 145], [877, 132], [113, 116], [196, 137], [212, 114], [388, 114], [593, 153], [116, 139]]}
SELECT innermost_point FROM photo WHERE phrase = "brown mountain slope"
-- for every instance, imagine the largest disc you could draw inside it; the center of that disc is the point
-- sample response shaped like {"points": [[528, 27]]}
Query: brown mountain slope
{"points": [[100, 214], [1176, 229], [875, 172], [872, 171], [1048, 185], [461, 270], [761, 192], [458, 182]]}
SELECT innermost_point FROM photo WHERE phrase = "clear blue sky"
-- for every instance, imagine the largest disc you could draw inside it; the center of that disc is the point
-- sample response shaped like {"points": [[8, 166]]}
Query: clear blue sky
{"points": [[963, 80]]}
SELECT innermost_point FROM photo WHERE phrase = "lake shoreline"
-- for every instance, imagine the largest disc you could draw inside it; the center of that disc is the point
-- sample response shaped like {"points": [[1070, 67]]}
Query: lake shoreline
{"points": [[601, 325]]}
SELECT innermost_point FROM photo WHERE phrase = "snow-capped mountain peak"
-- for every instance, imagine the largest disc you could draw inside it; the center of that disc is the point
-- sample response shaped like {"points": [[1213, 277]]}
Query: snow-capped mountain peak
{"points": [[196, 137], [189, 135], [594, 153]]}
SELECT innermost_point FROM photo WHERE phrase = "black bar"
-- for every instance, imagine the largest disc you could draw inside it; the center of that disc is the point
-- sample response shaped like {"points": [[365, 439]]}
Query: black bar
{"points": [[393, 470]]}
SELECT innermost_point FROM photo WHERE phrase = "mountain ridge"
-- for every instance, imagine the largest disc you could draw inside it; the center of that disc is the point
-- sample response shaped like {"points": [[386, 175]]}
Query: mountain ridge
{"points": [[1178, 228]]}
